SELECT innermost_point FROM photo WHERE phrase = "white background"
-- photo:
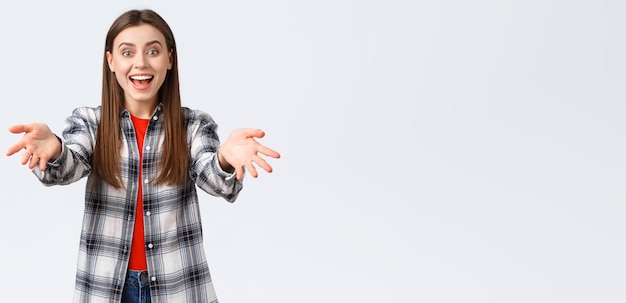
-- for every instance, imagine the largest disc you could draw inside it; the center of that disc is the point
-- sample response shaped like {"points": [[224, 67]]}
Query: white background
{"points": [[432, 151]]}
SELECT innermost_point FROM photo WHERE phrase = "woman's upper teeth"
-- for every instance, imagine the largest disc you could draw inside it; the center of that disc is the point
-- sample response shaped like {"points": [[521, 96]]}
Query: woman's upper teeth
{"points": [[143, 77]]}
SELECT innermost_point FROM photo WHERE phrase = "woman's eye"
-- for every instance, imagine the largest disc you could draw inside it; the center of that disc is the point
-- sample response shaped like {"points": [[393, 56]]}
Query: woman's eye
{"points": [[127, 53], [153, 52]]}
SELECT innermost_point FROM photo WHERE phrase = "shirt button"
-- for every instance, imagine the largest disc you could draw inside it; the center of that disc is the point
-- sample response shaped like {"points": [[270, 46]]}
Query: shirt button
{"points": [[147, 147], [153, 278], [155, 118], [146, 181], [148, 213], [150, 245]]}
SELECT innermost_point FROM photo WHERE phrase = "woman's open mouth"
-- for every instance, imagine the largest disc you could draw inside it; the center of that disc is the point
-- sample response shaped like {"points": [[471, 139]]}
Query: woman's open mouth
{"points": [[141, 81]]}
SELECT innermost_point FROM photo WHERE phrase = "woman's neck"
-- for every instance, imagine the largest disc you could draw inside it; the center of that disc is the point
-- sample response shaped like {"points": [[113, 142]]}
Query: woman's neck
{"points": [[143, 110]]}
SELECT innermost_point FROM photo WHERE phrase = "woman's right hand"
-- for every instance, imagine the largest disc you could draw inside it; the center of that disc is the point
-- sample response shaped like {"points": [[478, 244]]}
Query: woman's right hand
{"points": [[40, 145]]}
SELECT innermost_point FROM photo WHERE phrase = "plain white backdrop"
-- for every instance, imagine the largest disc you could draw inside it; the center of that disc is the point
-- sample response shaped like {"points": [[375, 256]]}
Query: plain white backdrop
{"points": [[433, 151]]}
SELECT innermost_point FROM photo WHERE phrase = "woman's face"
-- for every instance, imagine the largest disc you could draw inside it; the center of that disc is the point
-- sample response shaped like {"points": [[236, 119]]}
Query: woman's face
{"points": [[140, 60]]}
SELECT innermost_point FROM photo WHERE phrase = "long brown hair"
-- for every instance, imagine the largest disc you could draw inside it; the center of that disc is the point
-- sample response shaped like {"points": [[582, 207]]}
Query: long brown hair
{"points": [[106, 156]]}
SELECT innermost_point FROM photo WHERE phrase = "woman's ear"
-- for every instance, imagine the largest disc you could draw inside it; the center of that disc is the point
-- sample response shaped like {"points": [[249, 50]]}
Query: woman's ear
{"points": [[110, 61], [169, 65]]}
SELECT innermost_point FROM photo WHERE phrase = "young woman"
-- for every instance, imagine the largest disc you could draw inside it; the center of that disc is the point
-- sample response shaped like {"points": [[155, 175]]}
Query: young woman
{"points": [[144, 155]]}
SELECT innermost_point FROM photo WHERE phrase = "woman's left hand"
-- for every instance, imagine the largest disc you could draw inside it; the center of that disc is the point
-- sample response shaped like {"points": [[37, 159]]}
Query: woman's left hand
{"points": [[241, 149]]}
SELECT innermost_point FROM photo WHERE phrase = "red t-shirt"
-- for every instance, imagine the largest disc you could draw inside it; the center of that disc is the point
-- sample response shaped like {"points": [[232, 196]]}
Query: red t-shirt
{"points": [[138, 248]]}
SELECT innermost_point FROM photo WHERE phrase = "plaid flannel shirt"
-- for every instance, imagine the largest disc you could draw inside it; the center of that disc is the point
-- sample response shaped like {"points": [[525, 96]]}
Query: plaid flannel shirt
{"points": [[177, 264]]}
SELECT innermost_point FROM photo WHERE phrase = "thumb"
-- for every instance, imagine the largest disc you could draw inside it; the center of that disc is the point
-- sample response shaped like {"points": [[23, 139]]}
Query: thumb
{"points": [[20, 128], [254, 132]]}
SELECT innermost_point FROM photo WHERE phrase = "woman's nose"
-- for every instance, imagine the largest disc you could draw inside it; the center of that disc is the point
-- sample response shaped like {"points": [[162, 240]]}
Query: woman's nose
{"points": [[141, 60]]}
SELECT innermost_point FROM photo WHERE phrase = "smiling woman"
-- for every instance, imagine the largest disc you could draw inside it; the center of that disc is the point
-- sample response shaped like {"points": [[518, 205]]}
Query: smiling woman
{"points": [[140, 60], [144, 155]]}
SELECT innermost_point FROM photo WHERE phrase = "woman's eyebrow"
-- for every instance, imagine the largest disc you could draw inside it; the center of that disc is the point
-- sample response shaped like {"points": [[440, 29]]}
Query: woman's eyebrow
{"points": [[125, 44], [132, 44], [154, 42]]}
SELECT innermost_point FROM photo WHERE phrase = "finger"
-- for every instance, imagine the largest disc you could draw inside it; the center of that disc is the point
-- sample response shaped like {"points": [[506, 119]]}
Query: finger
{"points": [[34, 161], [15, 148], [20, 128], [268, 151], [42, 164], [252, 170], [25, 157], [254, 132], [239, 171], [263, 164]]}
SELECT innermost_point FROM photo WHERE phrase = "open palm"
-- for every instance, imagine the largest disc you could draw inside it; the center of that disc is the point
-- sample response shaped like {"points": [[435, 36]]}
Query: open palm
{"points": [[241, 150]]}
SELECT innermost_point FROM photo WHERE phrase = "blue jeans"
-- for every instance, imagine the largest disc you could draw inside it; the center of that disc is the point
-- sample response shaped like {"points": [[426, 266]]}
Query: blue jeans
{"points": [[136, 288]]}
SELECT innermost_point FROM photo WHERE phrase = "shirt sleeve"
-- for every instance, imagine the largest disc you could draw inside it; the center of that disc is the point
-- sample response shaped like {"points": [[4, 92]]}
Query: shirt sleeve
{"points": [[76, 149], [205, 169]]}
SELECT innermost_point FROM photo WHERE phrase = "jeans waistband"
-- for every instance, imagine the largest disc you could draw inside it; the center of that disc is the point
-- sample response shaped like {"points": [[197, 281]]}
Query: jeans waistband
{"points": [[140, 277]]}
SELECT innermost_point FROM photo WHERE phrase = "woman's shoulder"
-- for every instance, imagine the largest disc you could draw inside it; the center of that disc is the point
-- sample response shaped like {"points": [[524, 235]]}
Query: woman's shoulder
{"points": [[84, 116], [87, 111], [196, 116]]}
